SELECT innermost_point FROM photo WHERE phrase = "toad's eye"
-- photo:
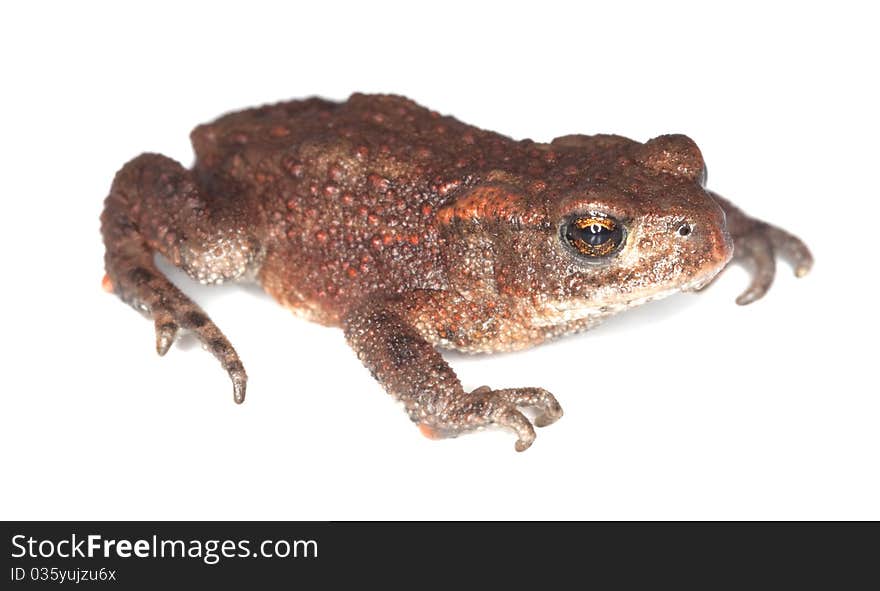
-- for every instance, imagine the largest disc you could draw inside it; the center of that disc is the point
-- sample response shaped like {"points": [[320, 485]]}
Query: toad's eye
{"points": [[594, 235]]}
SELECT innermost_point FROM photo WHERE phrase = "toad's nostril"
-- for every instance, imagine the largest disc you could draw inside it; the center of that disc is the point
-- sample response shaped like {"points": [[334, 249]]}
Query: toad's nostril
{"points": [[685, 230]]}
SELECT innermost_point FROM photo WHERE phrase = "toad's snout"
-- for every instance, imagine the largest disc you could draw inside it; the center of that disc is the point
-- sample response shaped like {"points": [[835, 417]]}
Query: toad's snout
{"points": [[715, 251], [721, 246]]}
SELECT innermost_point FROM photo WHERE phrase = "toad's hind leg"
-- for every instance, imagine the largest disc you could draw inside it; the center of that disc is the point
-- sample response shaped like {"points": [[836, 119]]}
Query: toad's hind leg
{"points": [[154, 206]]}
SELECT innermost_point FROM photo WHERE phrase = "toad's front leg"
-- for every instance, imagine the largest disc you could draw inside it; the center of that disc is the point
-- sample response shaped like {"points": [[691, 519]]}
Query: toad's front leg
{"points": [[412, 370], [757, 244]]}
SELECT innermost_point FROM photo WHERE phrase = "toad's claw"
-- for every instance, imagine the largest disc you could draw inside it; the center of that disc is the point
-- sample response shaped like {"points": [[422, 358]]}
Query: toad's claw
{"points": [[515, 420], [183, 314], [145, 287], [755, 250], [549, 409], [791, 248], [166, 332], [239, 385]]}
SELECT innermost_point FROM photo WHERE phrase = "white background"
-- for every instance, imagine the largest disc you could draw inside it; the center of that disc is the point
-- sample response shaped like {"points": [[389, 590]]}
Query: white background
{"points": [[690, 408]]}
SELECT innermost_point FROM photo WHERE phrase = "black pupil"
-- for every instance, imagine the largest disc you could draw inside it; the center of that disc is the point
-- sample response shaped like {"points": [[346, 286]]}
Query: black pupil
{"points": [[594, 234]]}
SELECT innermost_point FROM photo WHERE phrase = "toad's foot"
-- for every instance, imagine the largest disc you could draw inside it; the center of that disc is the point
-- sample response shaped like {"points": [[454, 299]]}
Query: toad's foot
{"points": [[756, 245], [485, 407], [147, 289]]}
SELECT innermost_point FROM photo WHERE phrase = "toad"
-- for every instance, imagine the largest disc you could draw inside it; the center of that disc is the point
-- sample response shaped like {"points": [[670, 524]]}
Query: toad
{"points": [[415, 232]]}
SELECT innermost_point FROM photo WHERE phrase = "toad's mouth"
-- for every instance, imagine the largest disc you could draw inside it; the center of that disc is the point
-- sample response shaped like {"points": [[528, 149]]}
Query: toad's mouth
{"points": [[703, 281]]}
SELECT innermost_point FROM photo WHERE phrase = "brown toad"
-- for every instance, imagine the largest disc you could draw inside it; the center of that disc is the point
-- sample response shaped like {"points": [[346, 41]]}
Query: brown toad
{"points": [[413, 232]]}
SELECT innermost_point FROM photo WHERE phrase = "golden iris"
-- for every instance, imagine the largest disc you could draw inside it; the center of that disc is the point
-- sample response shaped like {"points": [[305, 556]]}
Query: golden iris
{"points": [[594, 235]]}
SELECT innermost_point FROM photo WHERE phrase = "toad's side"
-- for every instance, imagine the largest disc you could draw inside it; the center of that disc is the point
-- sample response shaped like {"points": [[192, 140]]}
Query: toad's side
{"points": [[414, 231]]}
